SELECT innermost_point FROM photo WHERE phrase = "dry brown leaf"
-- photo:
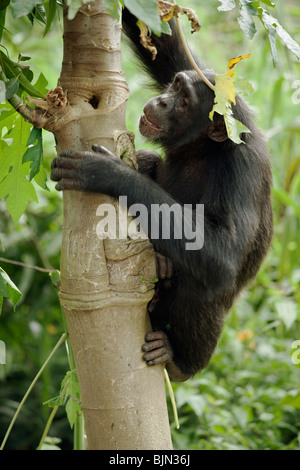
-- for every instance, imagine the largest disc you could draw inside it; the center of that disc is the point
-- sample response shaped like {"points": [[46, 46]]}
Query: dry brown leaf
{"points": [[145, 39], [167, 10], [56, 98]]}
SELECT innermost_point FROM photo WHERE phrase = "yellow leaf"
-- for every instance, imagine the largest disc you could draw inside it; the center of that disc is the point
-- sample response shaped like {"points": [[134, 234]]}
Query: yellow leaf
{"points": [[236, 60], [224, 88]]}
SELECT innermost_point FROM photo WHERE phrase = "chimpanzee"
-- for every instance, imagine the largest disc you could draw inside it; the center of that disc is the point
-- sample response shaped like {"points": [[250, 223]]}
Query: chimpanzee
{"points": [[201, 166]]}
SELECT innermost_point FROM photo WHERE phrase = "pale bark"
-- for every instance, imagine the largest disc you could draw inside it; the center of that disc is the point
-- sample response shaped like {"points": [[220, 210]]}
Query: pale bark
{"points": [[105, 286]]}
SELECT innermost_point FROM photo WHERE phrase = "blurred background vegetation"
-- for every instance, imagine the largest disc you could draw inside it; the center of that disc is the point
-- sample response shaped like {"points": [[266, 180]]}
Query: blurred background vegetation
{"points": [[249, 395]]}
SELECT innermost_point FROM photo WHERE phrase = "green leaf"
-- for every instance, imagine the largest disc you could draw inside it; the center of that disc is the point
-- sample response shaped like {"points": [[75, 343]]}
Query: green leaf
{"points": [[23, 58], [287, 312], [243, 87], [268, 2], [55, 277], [8, 289], [23, 7], [56, 401], [7, 117], [295, 353], [11, 70], [41, 84], [73, 7], [40, 14], [34, 153], [2, 92], [41, 178], [4, 292], [12, 87], [246, 21], [73, 392], [273, 27], [2, 19], [227, 5], [4, 4], [146, 11], [234, 127], [51, 13], [292, 399], [112, 7], [166, 28], [14, 183]]}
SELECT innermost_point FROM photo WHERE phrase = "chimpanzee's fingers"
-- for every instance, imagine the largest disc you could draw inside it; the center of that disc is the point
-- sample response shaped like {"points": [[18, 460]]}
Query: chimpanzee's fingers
{"points": [[75, 155], [64, 162], [58, 173], [66, 183]]}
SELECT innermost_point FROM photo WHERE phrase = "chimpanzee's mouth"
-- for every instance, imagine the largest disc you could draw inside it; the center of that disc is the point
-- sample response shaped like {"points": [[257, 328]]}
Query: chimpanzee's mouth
{"points": [[148, 123]]}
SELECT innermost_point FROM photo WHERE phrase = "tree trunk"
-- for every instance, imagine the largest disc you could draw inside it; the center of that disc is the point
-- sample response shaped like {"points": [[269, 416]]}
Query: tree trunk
{"points": [[105, 284]]}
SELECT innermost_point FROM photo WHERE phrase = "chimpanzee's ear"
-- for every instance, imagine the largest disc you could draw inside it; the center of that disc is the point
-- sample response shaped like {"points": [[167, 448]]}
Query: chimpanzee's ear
{"points": [[217, 131]]}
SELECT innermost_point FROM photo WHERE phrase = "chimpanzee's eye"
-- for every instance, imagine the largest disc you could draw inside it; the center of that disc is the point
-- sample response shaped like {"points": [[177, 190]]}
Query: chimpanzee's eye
{"points": [[177, 84], [184, 101]]}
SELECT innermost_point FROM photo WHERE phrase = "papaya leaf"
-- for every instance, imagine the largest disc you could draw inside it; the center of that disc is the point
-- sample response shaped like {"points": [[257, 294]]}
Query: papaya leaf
{"points": [[2, 92], [224, 97], [41, 84], [72, 395], [34, 153], [14, 183], [12, 87]]}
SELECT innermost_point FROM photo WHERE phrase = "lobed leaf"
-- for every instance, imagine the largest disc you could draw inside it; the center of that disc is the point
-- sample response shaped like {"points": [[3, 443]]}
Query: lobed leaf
{"points": [[12, 87], [224, 97], [14, 183], [34, 153], [2, 91]]}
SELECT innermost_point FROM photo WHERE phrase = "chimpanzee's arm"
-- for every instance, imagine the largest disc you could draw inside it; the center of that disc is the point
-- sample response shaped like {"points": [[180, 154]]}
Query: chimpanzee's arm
{"points": [[171, 57], [148, 162], [216, 264]]}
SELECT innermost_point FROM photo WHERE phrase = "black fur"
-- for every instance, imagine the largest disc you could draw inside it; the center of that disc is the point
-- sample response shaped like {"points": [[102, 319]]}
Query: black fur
{"points": [[232, 181]]}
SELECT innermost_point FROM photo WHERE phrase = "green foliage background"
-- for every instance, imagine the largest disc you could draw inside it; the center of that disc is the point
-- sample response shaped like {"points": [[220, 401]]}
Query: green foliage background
{"points": [[249, 395]]}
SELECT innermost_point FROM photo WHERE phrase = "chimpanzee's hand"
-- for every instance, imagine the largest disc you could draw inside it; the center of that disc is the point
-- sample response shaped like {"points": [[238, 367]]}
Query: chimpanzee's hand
{"points": [[164, 269], [99, 171], [157, 349]]}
